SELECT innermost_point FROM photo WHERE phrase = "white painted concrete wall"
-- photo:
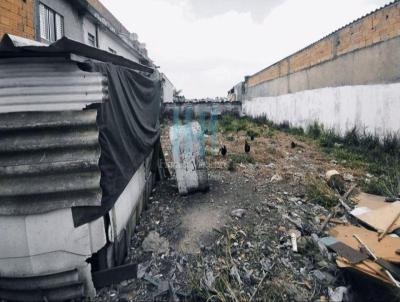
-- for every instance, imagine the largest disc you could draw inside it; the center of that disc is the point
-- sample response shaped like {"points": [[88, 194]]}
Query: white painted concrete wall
{"points": [[373, 107], [127, 202]]}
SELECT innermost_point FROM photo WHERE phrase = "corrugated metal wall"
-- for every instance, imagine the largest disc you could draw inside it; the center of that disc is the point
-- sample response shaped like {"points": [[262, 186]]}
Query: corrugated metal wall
{"points": [[48, 84], [48, 161]]}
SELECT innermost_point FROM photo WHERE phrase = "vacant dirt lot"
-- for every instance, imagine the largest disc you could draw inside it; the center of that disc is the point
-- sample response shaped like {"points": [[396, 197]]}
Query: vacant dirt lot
{"points": [[216, 255]]}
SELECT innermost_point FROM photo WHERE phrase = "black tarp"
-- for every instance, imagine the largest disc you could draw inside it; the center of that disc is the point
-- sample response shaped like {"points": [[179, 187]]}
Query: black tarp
{"points": [[129, 129], [128, 122]]}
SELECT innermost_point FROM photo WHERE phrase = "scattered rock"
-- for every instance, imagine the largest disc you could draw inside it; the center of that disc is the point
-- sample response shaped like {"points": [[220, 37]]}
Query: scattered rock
{"points": [[239, 213], [294, 199], [276, 178], [348, 177], [338, 294]]}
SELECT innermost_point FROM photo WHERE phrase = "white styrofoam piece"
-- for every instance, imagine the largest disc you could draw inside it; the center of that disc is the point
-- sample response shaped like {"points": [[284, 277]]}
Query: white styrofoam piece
{"points": [[359, 211]]}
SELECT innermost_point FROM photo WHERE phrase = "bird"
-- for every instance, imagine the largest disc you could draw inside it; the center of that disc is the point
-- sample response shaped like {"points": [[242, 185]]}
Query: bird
{"points": [[246, 147], [223, 150], [295, 145]]}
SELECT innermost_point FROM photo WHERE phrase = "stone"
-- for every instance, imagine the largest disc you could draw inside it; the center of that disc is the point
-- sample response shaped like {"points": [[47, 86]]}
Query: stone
{"points": [[348, 177], [338, 294], [239, 213], [276, 178]]}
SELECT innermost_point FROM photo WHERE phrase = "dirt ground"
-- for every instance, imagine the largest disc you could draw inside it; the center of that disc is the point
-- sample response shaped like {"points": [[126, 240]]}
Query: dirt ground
{"points": [[213, 255]]}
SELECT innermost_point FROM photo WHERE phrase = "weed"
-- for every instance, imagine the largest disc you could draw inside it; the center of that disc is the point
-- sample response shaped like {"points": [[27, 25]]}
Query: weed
{"points": [[391, 144], [352, 137], [231, 166], [254, 128], [387, 185], [329, 138], [315, 130], [242, 158], [253, 133], [319, 192]]}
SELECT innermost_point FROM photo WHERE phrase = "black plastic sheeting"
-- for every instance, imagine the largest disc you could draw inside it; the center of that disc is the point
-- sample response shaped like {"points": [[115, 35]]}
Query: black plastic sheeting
{"points": [[129, 130]]}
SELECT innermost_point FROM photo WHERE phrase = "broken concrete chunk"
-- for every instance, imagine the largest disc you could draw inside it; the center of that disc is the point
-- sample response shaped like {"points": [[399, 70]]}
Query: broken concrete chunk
{"points": [[239, 213], [156, 244]]}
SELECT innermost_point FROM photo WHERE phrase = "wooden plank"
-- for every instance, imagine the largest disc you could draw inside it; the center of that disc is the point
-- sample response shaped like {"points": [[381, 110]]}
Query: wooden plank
{"points": [[370, 201], [367, 267], [380, 219], [385, 249]]}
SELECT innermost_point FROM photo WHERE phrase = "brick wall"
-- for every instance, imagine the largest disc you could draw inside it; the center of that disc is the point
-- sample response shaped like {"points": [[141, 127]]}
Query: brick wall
{"points": [[16, 18], [376, 27]]}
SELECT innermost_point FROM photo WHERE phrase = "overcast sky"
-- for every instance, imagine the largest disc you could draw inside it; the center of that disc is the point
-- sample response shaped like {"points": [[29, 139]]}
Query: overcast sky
{"points": [[206, 46]]}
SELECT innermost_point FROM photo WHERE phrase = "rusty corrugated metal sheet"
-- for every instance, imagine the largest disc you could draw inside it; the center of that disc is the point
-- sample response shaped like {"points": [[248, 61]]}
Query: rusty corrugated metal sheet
{"points": [[48, 161], [48, 84]]}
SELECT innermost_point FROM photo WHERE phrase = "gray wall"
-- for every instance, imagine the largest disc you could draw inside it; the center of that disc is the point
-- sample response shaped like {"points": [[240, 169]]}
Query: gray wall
{"points": [[195, 110], [77, 27], [372, 65]]}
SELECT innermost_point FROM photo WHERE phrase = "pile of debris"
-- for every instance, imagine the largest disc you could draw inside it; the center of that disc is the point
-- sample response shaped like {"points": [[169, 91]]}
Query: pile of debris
{"points": [[367, 239]]}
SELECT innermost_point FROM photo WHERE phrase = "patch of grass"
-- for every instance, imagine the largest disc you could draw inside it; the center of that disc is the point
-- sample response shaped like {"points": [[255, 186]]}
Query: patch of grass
{"points": [[253, 132], [386, 185], [229, 123], [391, 144], [315, 130], [356, 149], [319, 192], [329, 139], [242, 158]]}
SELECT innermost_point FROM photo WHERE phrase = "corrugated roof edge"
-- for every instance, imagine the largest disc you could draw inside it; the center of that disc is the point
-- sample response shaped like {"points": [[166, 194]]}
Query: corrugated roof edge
{"points": [[9, 47], [328, 35]]}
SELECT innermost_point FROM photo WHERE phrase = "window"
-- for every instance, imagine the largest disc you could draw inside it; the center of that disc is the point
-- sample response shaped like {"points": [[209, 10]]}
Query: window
{"points": [[92, 40], [112, 51], [51, 24]]}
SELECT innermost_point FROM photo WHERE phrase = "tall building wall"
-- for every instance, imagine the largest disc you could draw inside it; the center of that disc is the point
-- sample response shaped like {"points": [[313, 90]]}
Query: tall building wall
{"points": [[17, 18], [377, 27]]}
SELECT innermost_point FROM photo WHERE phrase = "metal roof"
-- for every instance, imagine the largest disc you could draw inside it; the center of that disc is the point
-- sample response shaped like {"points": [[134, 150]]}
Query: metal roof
{"points": [[48, 84], [48, 161], [13, 46]]}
